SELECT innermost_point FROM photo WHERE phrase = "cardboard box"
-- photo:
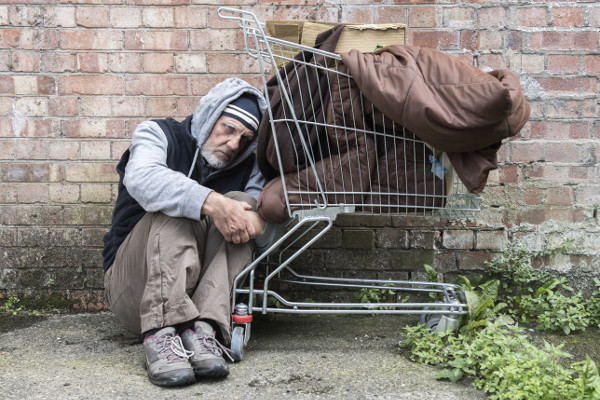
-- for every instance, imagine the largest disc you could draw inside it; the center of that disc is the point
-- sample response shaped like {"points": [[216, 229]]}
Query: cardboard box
{"points": [[363, 37]]}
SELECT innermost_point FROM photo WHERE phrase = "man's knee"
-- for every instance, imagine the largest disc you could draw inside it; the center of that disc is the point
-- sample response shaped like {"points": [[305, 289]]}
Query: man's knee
{"points": [[242, 196]]}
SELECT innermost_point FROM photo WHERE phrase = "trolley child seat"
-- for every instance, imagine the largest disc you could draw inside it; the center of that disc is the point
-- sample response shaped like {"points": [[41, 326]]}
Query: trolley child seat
{"points": [[336, 154]]}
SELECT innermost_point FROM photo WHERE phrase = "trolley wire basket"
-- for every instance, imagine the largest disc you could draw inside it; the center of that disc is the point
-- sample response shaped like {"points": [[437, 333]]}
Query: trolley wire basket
{"points": [[332, 152]]}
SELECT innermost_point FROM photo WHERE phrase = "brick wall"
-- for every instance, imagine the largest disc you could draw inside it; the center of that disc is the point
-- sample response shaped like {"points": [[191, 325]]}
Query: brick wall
{"points": [[77, 76]]}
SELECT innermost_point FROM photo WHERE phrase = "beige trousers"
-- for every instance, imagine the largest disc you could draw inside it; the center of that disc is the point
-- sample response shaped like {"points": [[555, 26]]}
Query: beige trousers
{"points": [[173, 270]]}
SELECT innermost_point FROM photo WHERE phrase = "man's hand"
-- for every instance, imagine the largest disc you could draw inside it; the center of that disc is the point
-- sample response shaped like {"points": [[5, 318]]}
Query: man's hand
{"points": [[234, 219]]}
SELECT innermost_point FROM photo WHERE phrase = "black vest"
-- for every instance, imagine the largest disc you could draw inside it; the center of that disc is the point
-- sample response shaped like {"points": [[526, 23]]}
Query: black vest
{"points": [[180, 155]]}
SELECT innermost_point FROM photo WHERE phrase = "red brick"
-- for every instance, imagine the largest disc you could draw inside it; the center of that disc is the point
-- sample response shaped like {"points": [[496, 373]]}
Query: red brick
{"points": [[156, 17], [561, 64], [531, 17], [201, 85], [329, 14], [125, 17], [92, 62], [27, 149], [8, 193], [532, 196], [559, 196], [441, 40], [128, 107], [35, 39], [161, 2], [473, 260], [579, 130], [59, 62], [191, 63], [148, 40], [526, 151], [26, 172], [36, 128], [92, 17], [94, 106], [91, 172], [579, 173], [190, 17], [91, 39], [32, 193], [588, 195], [564, 86], [594, 16], [567, 16], [161, 106], [422, 17], [63, 150], [157, 63], [116, 128], [26, 61], [46, 84], [458, 239], [390, 15], [7, 150], [125, 62], [509, 174], [469, 40], [7, 84], [591, 65], [91, 193], [491, 17], [357, 14], [514, 40], [59, 16], [591, 108], [494, 61], [150, 85], [490, 40], [560, 214], [63, 106], [562, 152], [534, 216], [563, 109], [186, 106], [9, 38], [90, 84], [219, 63], [564, 41]]}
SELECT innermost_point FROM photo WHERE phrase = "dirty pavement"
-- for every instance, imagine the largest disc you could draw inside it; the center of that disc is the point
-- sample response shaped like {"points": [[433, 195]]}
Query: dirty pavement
{"points": [[90, 356]]}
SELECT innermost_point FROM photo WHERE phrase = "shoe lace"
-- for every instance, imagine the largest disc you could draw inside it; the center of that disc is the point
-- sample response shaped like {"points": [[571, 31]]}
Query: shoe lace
{"points": [[208, 344], [171, 347]]}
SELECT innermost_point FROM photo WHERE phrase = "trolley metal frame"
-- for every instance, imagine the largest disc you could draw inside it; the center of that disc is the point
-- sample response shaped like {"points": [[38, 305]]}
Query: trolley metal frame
{"points": [[253, 287]]}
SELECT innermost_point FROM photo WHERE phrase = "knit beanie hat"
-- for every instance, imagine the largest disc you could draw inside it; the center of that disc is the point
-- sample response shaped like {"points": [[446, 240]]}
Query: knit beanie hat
{"points": [[245, 109]]}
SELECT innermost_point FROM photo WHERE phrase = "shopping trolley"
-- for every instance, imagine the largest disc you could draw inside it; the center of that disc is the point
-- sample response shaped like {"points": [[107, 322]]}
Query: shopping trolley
{"points": [[336, 154]]}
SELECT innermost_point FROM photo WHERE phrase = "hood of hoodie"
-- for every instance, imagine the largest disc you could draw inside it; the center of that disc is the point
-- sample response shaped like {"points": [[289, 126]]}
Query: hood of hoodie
{"points": [[211, 107]]}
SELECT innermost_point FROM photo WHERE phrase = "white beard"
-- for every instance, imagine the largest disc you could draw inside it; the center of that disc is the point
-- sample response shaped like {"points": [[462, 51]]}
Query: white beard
{"points": [[212, 159]]}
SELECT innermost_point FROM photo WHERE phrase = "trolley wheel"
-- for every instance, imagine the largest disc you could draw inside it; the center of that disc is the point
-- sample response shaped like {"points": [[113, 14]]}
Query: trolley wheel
{"points": [[423, 318], [432, 322], [237, 344]]}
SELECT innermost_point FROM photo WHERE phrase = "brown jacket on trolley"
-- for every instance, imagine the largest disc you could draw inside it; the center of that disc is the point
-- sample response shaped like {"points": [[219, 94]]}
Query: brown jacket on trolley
{"points": [[451, 105]]}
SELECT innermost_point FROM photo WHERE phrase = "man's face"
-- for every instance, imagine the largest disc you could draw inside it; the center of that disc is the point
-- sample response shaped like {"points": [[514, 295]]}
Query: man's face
{"points": [[227, 137]]}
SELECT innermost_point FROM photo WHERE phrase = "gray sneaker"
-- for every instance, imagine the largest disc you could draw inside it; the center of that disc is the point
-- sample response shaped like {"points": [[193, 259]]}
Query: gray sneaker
{"points": [[167, 360], [208, 358]]}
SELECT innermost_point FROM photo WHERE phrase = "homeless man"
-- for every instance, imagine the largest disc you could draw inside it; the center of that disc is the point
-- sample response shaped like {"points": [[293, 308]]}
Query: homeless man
{"points": [[183, 227]]}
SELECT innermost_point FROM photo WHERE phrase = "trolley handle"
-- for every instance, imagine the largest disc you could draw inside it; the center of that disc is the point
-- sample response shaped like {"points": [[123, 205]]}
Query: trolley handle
{"points": [[251, 27]]}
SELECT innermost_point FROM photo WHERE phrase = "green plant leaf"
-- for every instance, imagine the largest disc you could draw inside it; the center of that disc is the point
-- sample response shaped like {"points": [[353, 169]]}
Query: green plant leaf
{"points": [[590, 380], [432, 275], [453, 375]]}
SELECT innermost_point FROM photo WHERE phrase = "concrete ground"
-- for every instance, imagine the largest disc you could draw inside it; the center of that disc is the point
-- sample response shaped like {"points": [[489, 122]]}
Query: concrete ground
{"points": [[90, 356]]}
